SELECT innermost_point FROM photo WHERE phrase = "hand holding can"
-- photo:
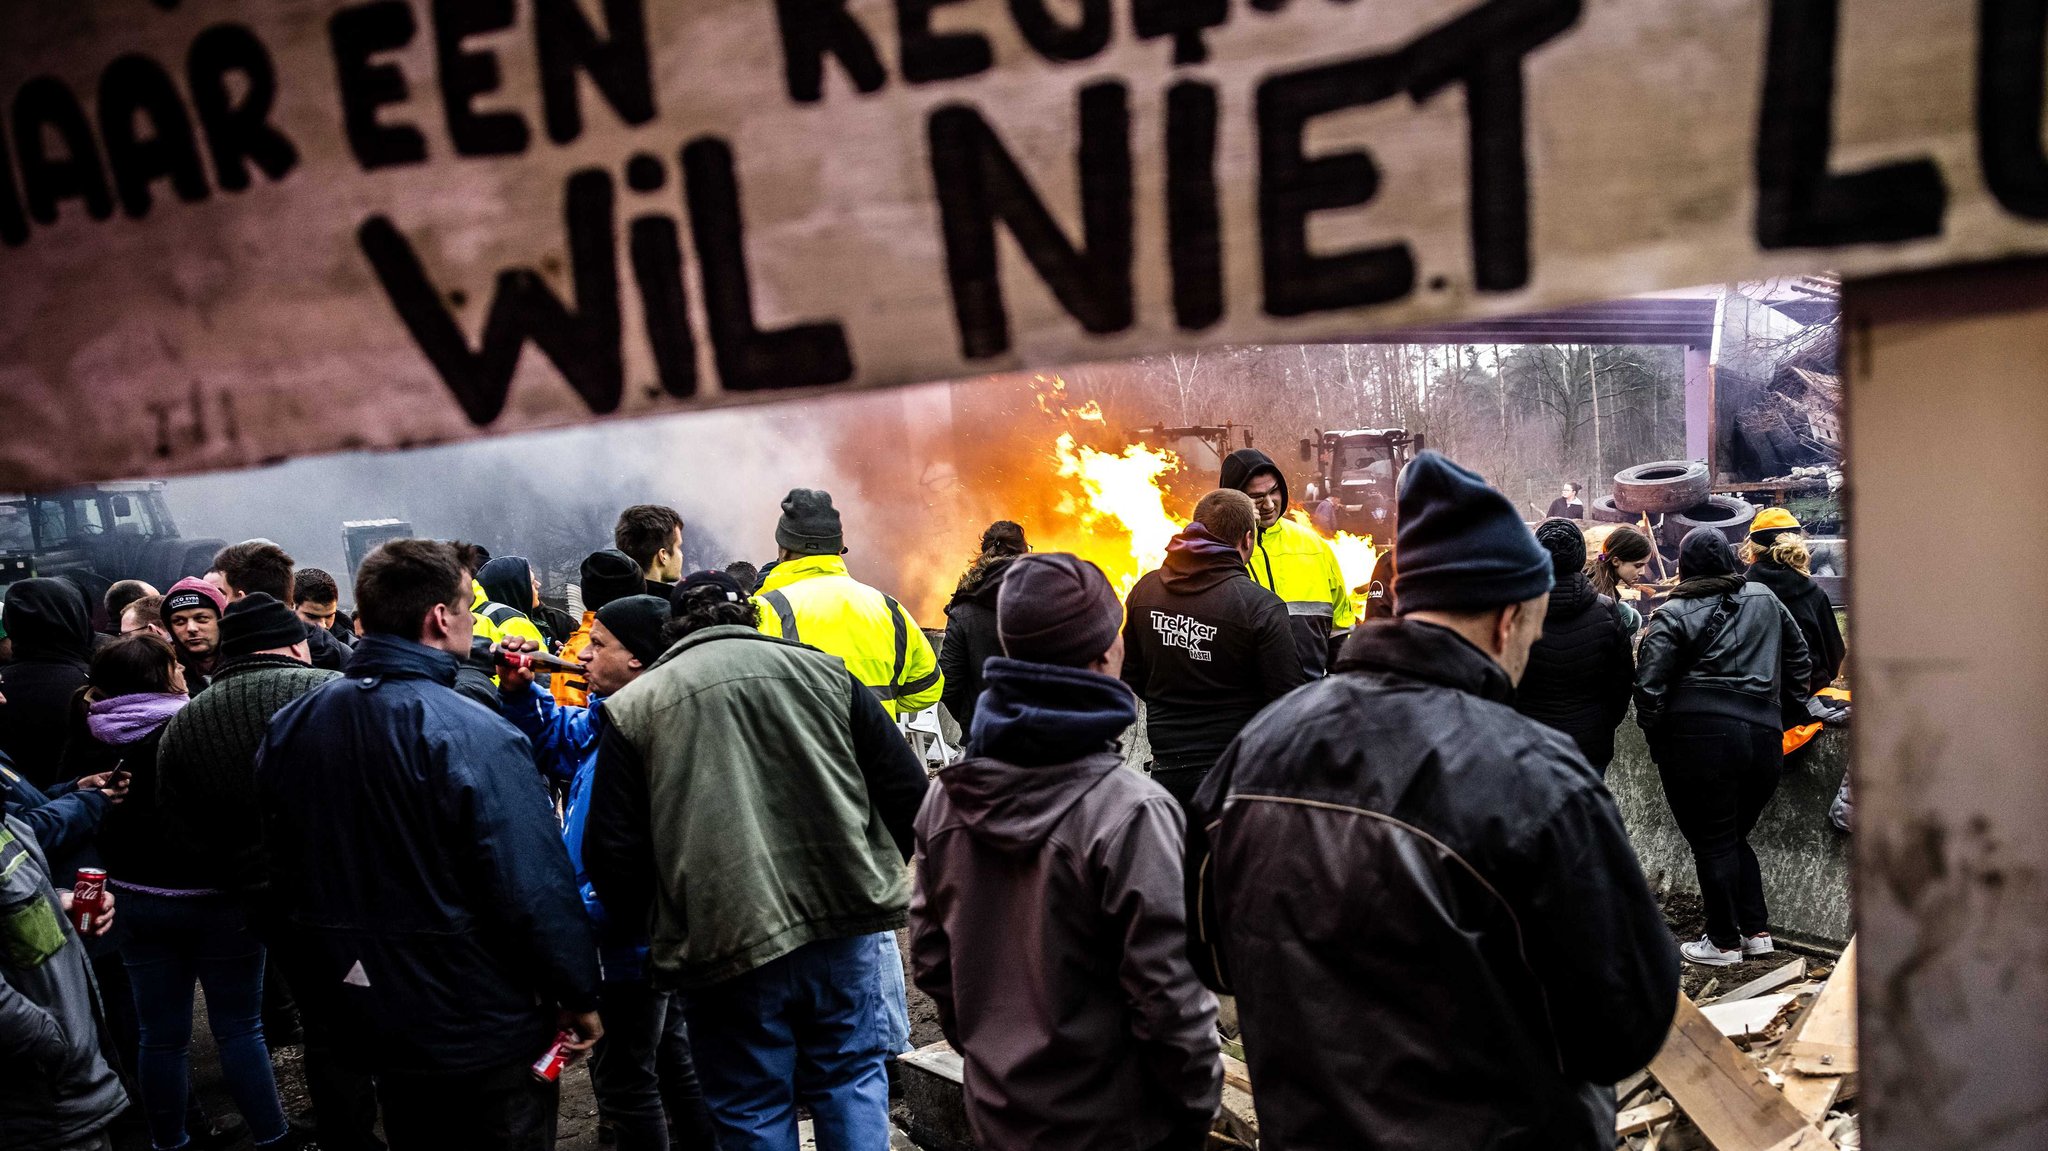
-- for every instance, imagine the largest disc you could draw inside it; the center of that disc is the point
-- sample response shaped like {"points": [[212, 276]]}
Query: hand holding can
{"points": [[89, 900]]}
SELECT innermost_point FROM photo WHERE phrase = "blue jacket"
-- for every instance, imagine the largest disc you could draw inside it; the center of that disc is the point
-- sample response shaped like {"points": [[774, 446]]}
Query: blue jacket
{"points": [[63, 818], [565, 740], [427, 903]]}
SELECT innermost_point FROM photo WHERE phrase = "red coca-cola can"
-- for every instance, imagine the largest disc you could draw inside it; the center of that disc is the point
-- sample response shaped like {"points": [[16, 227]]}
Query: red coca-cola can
{"points": [[548, 1068], [88, 899]]}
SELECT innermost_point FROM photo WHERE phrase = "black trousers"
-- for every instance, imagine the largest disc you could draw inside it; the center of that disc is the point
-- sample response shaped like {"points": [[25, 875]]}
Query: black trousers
{"points": [[1719, 774], [503, 1109], [1181, 783], [344, 1098], [641, 1070]]}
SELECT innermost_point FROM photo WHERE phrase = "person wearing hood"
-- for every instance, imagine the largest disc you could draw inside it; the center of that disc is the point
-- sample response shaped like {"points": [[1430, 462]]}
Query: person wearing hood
{"points": [[641, 1069], [1292, 560], [1204, 646], [1714, 672], [605, 577], [1582, 670], [1425, 902], [753, 798], [1047, 875], [51, 627], [192, 611], [182, 923], [971, 620], [510, 596]]}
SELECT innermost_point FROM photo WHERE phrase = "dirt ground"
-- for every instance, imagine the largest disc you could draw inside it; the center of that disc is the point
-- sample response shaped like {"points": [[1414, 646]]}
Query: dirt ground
{"points": [[1688, 921], [578, 1123]]}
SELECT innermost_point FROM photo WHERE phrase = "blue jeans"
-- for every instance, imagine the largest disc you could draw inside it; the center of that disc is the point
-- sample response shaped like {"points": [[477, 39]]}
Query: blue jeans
{"points": [[172, 943], [895, 996], [803, 1028]]}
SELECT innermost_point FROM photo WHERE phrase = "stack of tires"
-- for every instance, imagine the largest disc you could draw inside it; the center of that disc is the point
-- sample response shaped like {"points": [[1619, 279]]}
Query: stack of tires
{"points": [[1674, 494]]}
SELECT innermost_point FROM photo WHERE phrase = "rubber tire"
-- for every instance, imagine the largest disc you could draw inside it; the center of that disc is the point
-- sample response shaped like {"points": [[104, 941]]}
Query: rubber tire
{"points": [[1603, 511], [1726, 514], [1661, 486]]}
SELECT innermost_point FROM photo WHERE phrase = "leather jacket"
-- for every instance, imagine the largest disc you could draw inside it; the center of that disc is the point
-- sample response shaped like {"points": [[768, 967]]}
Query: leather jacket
{"points": [[1757, 655]]}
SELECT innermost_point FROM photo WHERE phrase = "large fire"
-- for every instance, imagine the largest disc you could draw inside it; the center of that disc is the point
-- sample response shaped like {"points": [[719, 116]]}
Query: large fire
{"points": [[1114, 508], [1119, 505]]}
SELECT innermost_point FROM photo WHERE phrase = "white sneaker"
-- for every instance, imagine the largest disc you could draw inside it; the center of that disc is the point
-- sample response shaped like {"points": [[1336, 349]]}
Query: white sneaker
{"points": [[1758, 944], [1703, 952]]}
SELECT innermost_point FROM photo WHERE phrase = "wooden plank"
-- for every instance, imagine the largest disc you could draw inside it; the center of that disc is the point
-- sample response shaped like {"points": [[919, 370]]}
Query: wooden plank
{"points": [[1818, 1055], [1746, 1017], [1761, 984], [939, 1059], [1237, 1075], [1722, 1091], [1636, 1120]]}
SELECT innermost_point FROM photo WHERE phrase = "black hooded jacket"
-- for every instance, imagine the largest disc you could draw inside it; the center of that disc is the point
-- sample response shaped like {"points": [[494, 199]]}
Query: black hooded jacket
{"points": [[1241, 465], [971, 639], [1582, 671], [1814, 614], [1428, 909], [51, 627], [1048, 926], [1720, 646], [508, 580], [1205, 648]]}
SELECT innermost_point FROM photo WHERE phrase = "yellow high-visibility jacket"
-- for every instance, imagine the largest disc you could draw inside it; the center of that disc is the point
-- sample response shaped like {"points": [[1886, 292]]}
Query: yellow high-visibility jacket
{"points": [[811, 599], [495, 622], [1295, 563]]}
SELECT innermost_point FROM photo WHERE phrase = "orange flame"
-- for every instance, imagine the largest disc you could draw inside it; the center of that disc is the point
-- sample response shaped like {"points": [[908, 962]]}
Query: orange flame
{"points": [[1120, 506]]}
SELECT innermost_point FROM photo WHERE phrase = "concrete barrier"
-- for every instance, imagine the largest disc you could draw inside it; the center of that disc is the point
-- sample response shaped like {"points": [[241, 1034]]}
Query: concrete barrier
{"points": [[1805, 860]]}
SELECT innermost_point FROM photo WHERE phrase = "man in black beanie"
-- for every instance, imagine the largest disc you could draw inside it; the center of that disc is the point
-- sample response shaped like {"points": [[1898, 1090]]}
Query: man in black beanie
{"points": [[1040, 841], [606, 576], [808, 596], [641, 1068], [206, 790], [1394, 852]]}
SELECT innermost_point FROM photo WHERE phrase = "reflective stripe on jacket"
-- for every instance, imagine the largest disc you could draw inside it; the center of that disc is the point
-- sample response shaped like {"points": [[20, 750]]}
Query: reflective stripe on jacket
{"points": [[1298, 565], [811, 599]]}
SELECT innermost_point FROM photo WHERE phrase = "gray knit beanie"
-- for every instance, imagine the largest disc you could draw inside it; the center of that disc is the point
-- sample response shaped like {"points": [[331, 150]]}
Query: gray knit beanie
{"points": [[810, 524]]}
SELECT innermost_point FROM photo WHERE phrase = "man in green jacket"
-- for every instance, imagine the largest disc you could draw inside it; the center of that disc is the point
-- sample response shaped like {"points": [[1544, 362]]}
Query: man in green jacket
{"points": [[756, 801]]}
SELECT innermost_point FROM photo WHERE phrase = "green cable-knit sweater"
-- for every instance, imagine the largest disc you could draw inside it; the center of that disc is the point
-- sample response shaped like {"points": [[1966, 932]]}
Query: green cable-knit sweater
{"points": [[206, 764]]}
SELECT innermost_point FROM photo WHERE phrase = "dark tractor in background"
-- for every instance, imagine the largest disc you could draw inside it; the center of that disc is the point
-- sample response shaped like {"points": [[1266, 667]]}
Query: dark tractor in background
{"points": [[96, 535]]}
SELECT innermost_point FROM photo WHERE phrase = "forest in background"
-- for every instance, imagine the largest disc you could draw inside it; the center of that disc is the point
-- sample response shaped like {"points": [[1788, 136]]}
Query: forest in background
{"points": [[1526, 416]]}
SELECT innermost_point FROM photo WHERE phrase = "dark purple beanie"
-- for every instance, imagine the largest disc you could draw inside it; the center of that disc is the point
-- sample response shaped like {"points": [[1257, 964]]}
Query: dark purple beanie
{"points": [[1057, 608]]}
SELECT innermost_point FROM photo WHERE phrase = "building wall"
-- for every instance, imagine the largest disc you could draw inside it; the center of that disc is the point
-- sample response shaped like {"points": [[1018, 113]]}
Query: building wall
{"points": [[1947, 419]]}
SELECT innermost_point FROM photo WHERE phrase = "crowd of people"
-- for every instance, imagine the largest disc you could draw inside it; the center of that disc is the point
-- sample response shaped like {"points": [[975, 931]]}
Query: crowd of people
{"points": [[461, 834]]}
